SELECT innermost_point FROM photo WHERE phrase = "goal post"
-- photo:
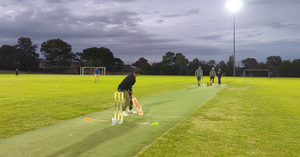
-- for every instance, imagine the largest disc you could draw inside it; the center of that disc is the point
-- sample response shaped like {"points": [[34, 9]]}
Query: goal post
{"points": [[256, 70], [90, 70]]}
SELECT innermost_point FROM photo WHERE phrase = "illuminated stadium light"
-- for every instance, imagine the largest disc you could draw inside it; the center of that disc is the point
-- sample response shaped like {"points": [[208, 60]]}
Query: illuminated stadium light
{"points": [[234, 5]]}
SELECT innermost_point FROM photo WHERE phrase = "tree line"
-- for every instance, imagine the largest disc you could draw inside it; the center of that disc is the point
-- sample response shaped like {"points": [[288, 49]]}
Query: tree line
{"points": [[58, 54], [176, 64]]}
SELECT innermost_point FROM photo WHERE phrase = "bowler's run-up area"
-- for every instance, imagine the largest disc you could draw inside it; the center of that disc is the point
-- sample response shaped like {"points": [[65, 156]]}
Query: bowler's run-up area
{"points": [[97, 137]]}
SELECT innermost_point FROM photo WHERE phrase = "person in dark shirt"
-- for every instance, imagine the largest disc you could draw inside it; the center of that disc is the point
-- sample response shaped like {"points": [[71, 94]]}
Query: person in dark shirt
{"points": [[219, 74], [17, 72], [126, 87], [212, 75]]}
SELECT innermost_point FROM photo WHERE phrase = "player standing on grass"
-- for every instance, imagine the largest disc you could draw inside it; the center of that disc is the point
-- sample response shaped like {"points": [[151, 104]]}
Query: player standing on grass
{"points": [[17, 72], [271, 73], [96, 73], [220, 75], [126, 87], [212, 75], [199, 74]]}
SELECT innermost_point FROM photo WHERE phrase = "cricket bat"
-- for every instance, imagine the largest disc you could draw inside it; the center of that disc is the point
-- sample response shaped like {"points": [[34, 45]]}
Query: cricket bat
{"points": [[137, 105]]}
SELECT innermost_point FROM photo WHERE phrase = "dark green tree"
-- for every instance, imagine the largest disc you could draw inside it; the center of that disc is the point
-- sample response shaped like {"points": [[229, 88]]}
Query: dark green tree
{"points": [[156, 69], [174, 64], [26, 56], [238, 71], [296, 67], [118, 64], [222, 65], [57, 52], [211, 63], [168, 63], [250, 63], [180, 62], [230, 66], [193, 65], [275, 61], [204, 66], [99, 57], [285, 68], [144, 65], [7, 55]]}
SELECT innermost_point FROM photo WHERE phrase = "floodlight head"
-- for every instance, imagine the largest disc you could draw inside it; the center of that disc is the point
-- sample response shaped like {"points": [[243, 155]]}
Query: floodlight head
{"points": [[234, 5]]}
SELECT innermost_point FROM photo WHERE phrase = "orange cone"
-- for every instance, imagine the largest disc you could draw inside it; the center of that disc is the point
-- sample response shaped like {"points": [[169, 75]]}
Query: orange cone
{"points": [[87, 118]]}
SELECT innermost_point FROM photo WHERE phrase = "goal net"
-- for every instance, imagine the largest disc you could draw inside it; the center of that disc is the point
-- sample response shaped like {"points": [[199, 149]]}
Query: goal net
{"points": [[256, 73], [90, 70]]}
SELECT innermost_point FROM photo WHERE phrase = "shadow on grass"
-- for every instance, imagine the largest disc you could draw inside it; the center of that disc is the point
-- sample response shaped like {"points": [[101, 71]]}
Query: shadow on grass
{"points": [[193, 87], [147, 107], [93, 141]]}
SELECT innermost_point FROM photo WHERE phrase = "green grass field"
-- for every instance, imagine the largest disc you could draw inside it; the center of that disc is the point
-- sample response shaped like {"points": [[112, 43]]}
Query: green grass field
{"points": [[250, 117], [29, 102]]}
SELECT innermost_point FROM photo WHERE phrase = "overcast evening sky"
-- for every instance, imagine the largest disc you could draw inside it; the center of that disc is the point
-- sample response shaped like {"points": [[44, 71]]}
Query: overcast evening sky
{"points": [[132, 29]]}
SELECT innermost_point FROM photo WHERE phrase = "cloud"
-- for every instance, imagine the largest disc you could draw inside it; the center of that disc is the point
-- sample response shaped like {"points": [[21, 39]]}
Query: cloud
{"points": [[12, 3], [62, 21], [159, 21], [55, 1], [132, 28], [210, 37], [280, 25], [281, 48], [246, 34], [264, 2], [190, 12]]}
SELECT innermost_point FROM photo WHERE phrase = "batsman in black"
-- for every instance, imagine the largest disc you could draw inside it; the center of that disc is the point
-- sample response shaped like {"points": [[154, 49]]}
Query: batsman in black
{"points": [[126, 86]]}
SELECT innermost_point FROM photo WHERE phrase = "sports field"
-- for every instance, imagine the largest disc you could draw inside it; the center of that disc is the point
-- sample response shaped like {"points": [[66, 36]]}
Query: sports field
{"points": [[33, 101], [248, 117]]}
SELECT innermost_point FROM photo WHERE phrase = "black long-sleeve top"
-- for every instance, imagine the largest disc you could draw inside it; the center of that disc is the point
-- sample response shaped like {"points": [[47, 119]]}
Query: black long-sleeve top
{"points": [[127, 83]]}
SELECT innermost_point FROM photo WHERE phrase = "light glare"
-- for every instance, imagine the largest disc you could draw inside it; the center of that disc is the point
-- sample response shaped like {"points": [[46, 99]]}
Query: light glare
{"points": [[234, 5]]}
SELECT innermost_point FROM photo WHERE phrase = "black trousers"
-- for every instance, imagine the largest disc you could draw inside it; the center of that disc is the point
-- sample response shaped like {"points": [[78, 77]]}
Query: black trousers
{"points": [[212, 79], [219, 79]]}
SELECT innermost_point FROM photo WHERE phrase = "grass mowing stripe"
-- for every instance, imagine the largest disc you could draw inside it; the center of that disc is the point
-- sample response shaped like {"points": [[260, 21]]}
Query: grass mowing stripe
{"points": [[251, 117], [29, 102], [96, 139]]}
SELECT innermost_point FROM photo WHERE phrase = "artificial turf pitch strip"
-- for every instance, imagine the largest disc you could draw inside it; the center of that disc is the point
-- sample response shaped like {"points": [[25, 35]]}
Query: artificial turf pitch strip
{"points": [[77, 137]]}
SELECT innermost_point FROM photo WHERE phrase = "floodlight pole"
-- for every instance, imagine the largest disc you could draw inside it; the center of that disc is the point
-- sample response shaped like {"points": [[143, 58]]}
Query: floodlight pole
{"points": [[234, 5], [234, 43]]}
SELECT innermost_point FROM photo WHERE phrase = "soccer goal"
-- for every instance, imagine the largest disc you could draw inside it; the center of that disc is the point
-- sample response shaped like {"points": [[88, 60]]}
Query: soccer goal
{"points": [[256, 72], [90, 70]]}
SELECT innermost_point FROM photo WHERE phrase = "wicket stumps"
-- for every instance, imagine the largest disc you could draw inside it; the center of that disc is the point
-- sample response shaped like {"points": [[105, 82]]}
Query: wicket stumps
{"points": [[119, 98]]}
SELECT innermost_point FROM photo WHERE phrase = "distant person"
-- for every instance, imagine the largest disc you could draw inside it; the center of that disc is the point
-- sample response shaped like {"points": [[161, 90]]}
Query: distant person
{"points": [[271, 73], [220, 75], [212, 75], [96, 73], [17, 72], [199, 74], [126, 86]]}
